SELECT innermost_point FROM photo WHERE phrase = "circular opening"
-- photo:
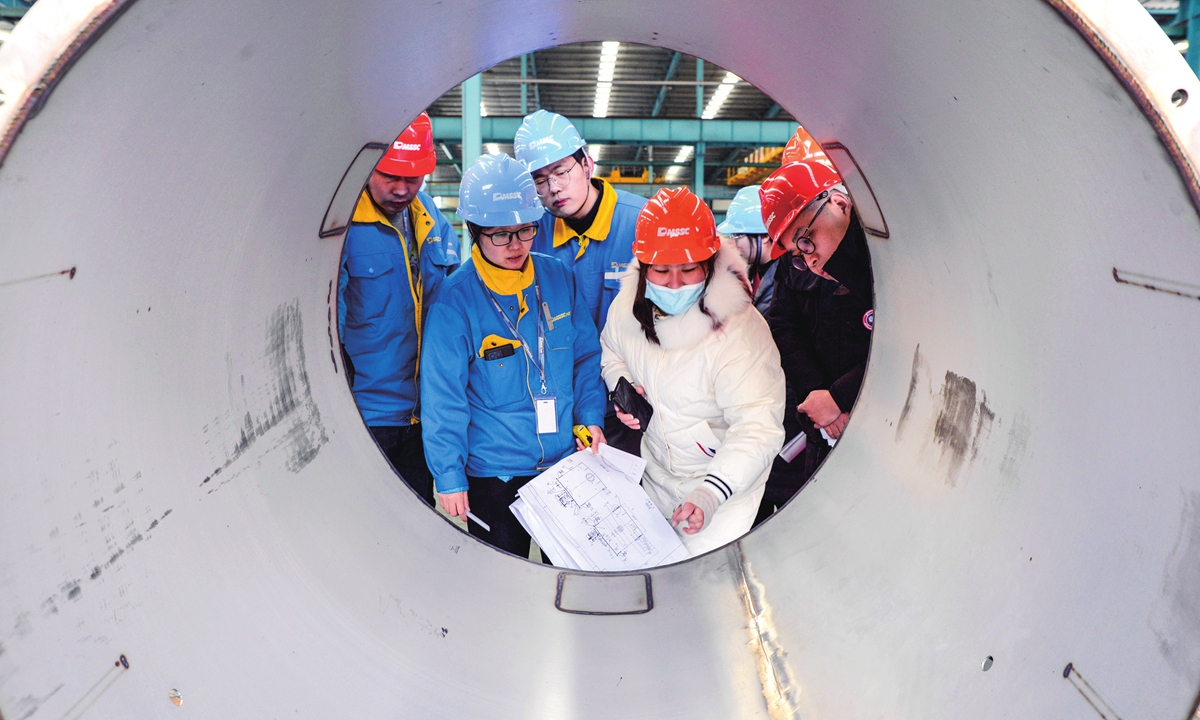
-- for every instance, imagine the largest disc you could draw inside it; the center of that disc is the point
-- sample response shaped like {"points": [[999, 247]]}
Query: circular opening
{"points": [[987, 663], [1179, 97], [478, 409]]}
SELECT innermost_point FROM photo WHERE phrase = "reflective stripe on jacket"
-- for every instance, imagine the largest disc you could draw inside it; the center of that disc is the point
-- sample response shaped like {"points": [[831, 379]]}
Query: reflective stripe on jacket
{"points": [[478, 413], [608, 250], [380, 304], [718, 394]]}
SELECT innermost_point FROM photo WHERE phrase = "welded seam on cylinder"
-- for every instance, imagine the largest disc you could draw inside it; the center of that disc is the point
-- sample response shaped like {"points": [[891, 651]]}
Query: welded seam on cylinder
{"points": [[40, 92], [1094, 698], [1162, 285], [774, 672], [1137, 90]]}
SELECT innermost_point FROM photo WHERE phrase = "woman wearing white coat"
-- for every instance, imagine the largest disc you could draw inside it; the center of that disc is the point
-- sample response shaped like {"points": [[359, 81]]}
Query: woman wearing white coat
{"points": [[684, 331]]}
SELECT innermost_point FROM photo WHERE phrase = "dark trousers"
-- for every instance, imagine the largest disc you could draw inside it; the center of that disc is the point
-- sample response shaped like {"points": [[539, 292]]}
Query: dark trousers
{"points": [[403, 448], [786, 478], [489, 498]]}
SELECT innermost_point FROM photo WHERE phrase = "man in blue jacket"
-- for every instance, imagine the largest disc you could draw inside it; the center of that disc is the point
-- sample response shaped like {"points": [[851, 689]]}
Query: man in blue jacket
{"points": [[588, 224], [398, 251]]}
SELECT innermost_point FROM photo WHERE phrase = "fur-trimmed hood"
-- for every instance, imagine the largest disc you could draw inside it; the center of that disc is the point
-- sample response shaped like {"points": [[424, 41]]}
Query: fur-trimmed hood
{"points": [[727, 295]]}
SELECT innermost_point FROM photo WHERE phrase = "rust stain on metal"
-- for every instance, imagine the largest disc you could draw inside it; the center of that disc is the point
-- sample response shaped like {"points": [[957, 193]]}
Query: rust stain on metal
{"points": [[780, 689]]}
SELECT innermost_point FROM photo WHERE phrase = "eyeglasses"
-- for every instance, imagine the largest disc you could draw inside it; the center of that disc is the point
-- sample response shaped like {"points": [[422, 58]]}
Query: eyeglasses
{"points": [[801, 239], [504, 237], [559, 178]]}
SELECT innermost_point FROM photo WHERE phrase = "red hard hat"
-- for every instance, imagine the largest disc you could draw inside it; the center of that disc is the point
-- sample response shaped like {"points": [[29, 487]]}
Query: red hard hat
{"points": [[411, 154], [787, 191], [803, 148], [673, 228]]}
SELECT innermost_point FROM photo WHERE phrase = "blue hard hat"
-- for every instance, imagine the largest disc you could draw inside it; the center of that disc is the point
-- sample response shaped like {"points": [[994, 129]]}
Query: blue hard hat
{"points": [[498, 191], [744, 216], [545, 137]]}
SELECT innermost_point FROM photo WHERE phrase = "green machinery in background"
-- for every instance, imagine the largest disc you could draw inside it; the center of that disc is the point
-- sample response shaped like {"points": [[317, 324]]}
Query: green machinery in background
{"points": [[1178, 19], [12, 10]]}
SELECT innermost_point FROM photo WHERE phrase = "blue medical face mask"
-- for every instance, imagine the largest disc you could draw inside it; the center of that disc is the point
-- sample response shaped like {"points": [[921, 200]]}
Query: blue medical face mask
{"points": [[673, 302]]}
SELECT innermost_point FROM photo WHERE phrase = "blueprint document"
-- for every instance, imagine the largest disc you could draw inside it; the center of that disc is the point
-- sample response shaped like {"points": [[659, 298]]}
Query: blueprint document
{"points": [[589, 512]]}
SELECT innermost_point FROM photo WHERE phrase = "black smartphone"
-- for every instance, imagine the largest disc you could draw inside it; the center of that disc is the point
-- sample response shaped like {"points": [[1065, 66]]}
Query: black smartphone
{"points": [[629, 401], [497, 353]]}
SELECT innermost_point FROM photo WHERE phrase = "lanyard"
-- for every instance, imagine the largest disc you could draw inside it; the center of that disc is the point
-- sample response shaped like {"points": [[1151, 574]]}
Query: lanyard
{"points": [[540, 362]]}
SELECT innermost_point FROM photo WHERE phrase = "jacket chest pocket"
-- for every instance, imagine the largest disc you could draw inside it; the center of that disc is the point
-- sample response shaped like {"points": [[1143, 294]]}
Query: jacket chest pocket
{"points": [[369, 292], [500, 382], [562, 337]]}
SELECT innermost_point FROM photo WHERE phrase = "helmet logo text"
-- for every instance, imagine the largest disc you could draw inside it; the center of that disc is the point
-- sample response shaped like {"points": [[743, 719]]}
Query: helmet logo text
{"points": [[548, 140]]}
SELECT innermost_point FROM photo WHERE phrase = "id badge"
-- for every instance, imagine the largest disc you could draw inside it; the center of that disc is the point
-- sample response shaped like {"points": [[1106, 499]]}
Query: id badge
{"points": [[547, 414]]}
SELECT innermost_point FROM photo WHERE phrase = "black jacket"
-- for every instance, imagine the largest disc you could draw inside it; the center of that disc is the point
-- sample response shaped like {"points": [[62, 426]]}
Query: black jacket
{"points": [[822, 327]]}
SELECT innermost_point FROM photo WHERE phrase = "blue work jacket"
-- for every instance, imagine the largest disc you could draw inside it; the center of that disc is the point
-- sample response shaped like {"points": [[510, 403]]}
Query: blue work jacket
{"points": [[608, 250], [478, 414], [380, 304]]}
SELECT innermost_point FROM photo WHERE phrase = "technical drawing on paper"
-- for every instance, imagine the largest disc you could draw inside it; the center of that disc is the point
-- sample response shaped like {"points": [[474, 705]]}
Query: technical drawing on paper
{"points": [[589, 512]]}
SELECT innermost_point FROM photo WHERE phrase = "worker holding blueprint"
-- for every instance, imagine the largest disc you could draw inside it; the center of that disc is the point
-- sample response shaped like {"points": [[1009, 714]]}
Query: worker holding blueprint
{"points": [[510, 360], [683, 329]]}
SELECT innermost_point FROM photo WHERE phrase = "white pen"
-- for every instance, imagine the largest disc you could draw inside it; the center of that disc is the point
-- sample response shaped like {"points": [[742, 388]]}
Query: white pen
{"points": [[479, 522]]}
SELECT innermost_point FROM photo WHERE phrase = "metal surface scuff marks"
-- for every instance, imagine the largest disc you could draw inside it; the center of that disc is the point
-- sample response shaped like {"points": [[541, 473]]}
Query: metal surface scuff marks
{"points": [[958, 420], [912, 390], [1178, 613], [963, 424], [278, 404]]}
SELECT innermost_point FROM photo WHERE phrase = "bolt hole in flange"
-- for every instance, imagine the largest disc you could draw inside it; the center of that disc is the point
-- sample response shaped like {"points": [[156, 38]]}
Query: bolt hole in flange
{"points": [[175, 698], [1179, 97], [987, 663]]}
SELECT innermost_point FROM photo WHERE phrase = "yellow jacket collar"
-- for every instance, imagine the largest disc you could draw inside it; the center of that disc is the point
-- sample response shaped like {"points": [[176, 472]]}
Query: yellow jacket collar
{"points": [[368, 212], [499, 280], [600, 226]]}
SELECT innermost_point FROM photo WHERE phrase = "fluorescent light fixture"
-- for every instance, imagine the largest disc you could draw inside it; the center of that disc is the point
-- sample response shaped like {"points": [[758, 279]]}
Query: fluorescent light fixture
{"points": [[608, 66], [493, 149], [594, 151], [719, 96], [482, 109], [685, 154]]}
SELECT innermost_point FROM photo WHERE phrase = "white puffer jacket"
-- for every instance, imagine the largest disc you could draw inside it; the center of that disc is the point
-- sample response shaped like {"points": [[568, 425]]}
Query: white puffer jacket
{"points": [[718, 394]]}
